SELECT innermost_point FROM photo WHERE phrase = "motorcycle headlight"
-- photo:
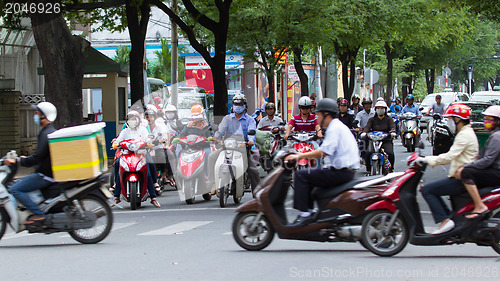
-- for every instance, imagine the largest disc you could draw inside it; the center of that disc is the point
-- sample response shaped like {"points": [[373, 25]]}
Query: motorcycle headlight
{"points": [[190, 157], [133, 146], [230, 143], [124, 165], [141, 164]]}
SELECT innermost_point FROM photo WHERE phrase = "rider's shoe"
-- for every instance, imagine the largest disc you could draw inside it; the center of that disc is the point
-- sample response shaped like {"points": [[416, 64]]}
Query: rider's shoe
{"points": [[447, 227], [155, 203]]}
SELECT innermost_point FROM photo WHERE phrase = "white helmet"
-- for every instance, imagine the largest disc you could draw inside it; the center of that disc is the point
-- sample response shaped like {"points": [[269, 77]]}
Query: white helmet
{"points": [[170, 108], [47, 109], [305, 101], [380, 103]]}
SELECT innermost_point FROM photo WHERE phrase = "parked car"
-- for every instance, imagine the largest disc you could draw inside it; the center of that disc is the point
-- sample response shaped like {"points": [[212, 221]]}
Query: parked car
{"points": [[443, 138], [486, 96], [446, 97]]}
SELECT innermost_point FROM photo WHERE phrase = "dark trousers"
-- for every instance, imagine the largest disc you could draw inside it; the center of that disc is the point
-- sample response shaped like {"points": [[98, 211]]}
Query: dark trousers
{"points": [[307, 179], [387, 146], [433, 191], [481, 177]]}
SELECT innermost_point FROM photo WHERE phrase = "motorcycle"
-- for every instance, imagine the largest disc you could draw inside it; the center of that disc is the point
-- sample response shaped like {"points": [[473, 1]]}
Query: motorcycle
{"points": [[191, 168], [269, 141], [337, 219], [395, 218], [80, 208], [230, 168], [133, 172], [257, 113], [303, 143], [395, 118], [378, 158], [410, 131], [431, 128]]}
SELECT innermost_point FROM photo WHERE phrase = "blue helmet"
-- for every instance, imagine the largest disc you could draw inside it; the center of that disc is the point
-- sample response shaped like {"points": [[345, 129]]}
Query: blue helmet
{"points": [[410, 96]]}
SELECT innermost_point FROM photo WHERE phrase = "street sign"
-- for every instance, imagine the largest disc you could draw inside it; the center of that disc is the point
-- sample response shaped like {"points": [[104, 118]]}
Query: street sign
{"points": [[371, 76], [447, 70], [292, 73]]}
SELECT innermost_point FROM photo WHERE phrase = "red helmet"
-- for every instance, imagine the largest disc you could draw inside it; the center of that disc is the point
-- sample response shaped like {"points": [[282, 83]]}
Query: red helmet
{"points": [[343, 102], [459, 110]]}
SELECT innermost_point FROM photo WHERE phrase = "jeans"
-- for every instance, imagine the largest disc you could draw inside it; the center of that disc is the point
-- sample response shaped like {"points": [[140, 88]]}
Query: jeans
{"points": [[118, 186], [251, 169], [433, 191], [307, 179], [27, 184]]}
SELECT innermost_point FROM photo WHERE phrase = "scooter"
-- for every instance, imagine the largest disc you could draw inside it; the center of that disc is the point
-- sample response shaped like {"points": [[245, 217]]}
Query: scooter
{"points": [[431, 128], [133, 172], [191, 168], [379, 162], [303, 143], [230, 169], [338, 218], [269, 141], [395, 218], [80, 208], [395, 118], [410, 131]]}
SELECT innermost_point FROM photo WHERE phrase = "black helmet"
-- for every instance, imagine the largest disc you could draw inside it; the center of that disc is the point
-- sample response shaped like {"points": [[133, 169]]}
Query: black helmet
{"points": [[327, 105], [270, 105], [438, 96]]}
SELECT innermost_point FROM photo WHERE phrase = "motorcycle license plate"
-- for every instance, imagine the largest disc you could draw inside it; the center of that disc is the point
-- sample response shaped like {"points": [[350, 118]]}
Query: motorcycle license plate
{"points": [[106, 192]]}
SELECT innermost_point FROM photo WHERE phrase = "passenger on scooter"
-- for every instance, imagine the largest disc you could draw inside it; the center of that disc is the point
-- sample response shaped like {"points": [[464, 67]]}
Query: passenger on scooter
{"points": [[411, 107], [340, 153], [237, 122], [381, 122], [355, 106], [174, 125], [305, 121], [484, 172], [270, 119], [464, 150], [396, 106], [133, 131], [198, 126], [344, 116], [45, 114]]}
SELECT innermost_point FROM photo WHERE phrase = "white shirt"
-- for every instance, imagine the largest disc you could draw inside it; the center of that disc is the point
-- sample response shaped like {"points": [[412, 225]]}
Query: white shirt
{"points": [[266, 122], [139, 133], [363, 117], [340, 146], [160, 132]]}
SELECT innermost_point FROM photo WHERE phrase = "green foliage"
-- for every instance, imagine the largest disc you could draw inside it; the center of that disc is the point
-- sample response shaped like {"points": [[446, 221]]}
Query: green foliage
{"points": [[122, 55], [161, 68]]}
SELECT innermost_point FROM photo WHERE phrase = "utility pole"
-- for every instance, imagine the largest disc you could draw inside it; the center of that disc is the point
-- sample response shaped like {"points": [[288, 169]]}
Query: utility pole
{"points": [[174, 52], [469, 72]]}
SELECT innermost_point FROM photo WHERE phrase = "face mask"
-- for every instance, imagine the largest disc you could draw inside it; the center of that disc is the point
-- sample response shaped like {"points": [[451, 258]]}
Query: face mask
{"points": [[132, 123], [238, 109], [489, 125], [380, 111], [452, 125], [36, 118], [170, 116]]}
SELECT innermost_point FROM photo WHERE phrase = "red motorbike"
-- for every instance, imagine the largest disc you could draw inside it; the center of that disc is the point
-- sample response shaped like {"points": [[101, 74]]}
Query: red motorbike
{"points": [[133, 172], [395, 219], [303, 143]]}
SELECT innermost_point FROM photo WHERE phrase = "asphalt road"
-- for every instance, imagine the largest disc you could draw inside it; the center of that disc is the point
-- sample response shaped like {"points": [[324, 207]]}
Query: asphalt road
{"points": [[194, 242]]}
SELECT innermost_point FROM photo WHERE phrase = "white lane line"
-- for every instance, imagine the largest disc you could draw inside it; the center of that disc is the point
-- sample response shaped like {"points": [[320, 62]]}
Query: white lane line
{"points": [[173, 210], [227, 233], [116, 226], [177, 228], [18, 235]]}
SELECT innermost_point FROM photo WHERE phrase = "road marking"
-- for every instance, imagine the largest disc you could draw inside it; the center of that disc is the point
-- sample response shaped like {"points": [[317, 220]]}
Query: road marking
{"points": [[177, 228], [227, 233], [173, 210], [18, 235]]}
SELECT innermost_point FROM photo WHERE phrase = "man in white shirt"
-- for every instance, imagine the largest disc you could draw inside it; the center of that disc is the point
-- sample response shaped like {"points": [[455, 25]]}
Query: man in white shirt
{"points": [[341, 159], [270, 119]]}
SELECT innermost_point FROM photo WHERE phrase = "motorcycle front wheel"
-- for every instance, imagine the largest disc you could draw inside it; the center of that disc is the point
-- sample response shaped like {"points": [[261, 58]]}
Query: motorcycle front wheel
{"points": [[495, 243], [103, 224], [375, 239], [254, 239], [134, 202], [224, 194]]}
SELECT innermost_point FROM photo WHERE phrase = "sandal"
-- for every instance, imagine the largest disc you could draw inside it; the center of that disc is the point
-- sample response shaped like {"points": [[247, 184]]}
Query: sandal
{"points": [[476, 215], [155, 203]]}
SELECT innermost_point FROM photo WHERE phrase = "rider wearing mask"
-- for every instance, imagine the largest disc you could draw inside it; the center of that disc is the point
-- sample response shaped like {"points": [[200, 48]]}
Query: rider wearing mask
{"points": [[174, 125], [45, 114], [396, 107], [344, 116], [381, 122], [305, 121], [135, 131], [341, 160], [237, 122], [411, 107], [484, 172], [464, 150], [270, 119]]}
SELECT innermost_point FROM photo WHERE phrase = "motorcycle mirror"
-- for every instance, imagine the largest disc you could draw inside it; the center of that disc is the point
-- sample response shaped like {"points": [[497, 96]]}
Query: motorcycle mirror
{"points": [[281, 124], [176, 140], [251, 132], [355, 123]]}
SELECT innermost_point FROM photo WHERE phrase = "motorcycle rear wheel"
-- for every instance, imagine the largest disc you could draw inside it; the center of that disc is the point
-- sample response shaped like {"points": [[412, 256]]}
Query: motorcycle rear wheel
{"points": [[373, 238], [3, 222], [252, 240], [103, 224], [375, 169], [496, 243]]}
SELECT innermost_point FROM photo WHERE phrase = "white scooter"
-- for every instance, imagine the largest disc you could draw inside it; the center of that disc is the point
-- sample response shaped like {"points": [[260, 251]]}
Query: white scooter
{"points": [[230, 169]]}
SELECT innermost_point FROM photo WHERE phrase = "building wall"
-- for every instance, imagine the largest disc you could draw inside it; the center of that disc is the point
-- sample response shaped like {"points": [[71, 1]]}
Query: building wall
{"points": [[9, 118]]}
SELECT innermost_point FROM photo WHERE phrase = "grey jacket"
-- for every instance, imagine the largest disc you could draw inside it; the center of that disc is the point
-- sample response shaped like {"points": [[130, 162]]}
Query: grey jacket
{"points": [[491, 158]]}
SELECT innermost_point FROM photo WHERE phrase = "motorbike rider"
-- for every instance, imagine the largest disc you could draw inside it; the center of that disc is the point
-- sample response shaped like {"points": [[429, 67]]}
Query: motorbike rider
{"points": [[484, 172], [363, 116], [45, 114], [174, 125], [197, 126], [305, 121], [464, 150], [341, 160], [237, 122], [436, 107], [158, 101], [133, 131], [396, 106], [344, 116], [270, 119], [381, 122], [355, 106], [411, 107]]}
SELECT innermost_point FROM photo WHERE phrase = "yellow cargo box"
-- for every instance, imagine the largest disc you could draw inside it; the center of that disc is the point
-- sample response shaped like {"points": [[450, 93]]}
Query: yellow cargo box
{"points": [[78, 152]]}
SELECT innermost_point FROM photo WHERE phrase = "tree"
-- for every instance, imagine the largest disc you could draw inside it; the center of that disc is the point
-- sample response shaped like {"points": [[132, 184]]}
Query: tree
{"points": [[162, 68], [122, 55]]}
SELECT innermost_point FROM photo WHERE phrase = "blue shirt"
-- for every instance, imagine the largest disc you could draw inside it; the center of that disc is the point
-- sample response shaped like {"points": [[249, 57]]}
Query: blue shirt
{"points": [[231, 125], [413, 109], [396, 108]]}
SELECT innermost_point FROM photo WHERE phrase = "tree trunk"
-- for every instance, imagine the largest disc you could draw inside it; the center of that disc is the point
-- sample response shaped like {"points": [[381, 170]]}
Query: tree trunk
{"points": [[63, 56], [270, 80], [299, 68], [390, 57], [347, 58], [137, 30], [429, 80]]}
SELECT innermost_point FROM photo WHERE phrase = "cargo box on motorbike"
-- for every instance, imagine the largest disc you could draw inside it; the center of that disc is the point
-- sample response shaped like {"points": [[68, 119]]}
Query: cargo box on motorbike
{"points": [[78, 152]]}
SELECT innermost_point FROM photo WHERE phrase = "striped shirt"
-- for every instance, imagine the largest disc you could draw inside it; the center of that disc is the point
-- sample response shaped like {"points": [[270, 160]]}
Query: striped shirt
{"points": [[308, 125]]}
